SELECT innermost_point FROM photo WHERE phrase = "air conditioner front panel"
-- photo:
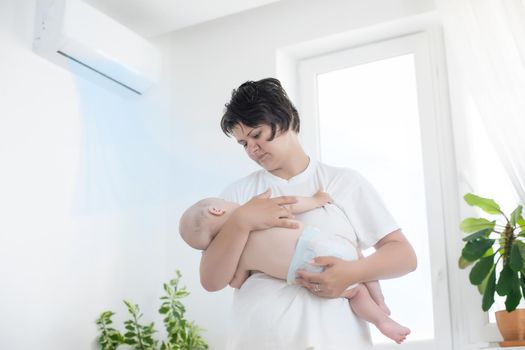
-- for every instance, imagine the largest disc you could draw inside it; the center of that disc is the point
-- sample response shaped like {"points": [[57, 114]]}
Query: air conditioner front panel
{"points": [[77, 36]]}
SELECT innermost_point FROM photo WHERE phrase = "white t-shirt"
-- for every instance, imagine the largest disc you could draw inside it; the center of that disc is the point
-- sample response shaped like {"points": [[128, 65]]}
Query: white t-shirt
{"points": [[270, 314]]}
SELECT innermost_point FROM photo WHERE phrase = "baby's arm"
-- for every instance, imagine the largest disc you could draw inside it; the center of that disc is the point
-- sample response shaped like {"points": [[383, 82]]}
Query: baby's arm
{"points": [[305, 204]]}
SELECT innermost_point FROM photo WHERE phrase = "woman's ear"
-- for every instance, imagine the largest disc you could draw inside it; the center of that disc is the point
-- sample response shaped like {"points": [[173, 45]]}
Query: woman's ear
{"points": [[215, 211]]}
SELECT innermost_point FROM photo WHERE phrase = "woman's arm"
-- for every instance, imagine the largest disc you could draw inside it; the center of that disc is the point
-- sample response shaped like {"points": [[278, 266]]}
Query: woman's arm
{"points": [[219, 261], [394, 257], [239, 278]]}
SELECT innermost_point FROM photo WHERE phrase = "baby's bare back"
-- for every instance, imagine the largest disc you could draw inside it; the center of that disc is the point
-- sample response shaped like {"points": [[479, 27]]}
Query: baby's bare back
{"points": [[270, 251]]}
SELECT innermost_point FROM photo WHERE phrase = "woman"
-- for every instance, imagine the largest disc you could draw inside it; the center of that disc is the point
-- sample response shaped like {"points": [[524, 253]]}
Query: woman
{"points": [[268, 313]]}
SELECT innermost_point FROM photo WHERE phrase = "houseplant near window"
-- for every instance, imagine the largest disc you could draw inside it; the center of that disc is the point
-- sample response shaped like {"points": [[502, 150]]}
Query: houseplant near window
{"points": [[496, 247]]}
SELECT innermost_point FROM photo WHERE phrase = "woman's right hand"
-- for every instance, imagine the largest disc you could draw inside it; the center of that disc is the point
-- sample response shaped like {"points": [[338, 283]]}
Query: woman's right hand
{"points": [[262, 212]]}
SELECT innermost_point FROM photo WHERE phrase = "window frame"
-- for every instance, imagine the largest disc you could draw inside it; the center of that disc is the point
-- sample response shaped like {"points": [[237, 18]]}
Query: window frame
{"points": [[298, 66]]}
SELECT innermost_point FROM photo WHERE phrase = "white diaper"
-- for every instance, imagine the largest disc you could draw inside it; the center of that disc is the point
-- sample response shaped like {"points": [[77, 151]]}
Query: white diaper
{"points": [[313, 243]]}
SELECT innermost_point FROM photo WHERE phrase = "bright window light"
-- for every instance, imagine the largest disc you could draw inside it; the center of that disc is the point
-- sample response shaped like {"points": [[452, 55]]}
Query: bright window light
{"points": [[369, 121]]}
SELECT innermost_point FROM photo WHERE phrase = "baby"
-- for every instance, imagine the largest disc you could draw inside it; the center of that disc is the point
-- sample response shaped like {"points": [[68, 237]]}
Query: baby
{"points": [[280, 252]]}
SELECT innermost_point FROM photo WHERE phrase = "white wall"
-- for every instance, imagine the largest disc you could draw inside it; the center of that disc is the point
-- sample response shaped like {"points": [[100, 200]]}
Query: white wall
{"points": [[85, 201], [91, 186], [209, 60]]}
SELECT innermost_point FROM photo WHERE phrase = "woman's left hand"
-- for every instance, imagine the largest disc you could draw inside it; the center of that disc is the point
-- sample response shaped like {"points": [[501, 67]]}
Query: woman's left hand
{"points": [[333, 281]]}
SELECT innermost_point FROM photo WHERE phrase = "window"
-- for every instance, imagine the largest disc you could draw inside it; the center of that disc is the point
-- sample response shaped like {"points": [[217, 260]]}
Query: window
{"points": [[382, 140], [374, 109]]}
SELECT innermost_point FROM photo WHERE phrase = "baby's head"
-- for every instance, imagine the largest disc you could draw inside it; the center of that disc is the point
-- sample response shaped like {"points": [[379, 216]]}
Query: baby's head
{"points": [[202, 221]]}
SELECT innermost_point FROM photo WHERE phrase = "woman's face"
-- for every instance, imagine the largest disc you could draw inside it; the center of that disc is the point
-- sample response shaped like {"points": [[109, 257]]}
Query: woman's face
{"points": [[271, 155]]}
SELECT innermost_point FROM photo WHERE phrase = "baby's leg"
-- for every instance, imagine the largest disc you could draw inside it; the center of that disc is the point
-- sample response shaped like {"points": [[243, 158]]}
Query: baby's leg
{"points": [[364, 306], [374, 288]]}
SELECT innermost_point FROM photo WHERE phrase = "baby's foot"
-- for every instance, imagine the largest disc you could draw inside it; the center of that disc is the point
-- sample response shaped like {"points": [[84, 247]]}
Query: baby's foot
{"points": [[393, 330]]}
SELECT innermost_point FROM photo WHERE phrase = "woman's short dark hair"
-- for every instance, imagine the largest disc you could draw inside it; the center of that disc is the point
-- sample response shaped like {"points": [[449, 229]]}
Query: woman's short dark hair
{"points": [[262, 102]]}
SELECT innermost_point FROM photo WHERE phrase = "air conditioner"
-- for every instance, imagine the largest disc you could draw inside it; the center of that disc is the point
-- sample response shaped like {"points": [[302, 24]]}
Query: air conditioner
{"points": [[91, 44]]}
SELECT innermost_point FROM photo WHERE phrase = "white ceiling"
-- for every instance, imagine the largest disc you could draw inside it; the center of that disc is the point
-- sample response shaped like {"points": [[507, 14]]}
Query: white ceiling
{"points": [[154, 17]]}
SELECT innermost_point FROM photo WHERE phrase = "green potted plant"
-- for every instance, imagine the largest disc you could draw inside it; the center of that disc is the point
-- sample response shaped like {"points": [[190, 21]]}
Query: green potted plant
{"points": [[495, 246], [181, 334]]}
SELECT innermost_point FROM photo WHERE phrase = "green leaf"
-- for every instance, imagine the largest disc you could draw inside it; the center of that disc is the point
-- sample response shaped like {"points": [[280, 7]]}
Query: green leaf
{"points": [[115, 336], [489, 252], [483, 233], [481, 270], [487, 205], [130, 341], [514, 296], [520, 222], [512, 301], [505, 281], [470, 225], [516, 259], [463, 263], [522, 284], [474, 250], [521, 247], [488, 296], [516, 215], [483, 285]]}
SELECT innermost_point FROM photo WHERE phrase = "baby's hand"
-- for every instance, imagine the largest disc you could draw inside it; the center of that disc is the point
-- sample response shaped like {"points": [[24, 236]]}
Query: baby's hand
{"points": [[322, 198]]}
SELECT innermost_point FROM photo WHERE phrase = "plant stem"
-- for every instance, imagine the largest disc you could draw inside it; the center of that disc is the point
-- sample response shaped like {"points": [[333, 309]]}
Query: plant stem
{"points": [[139, 336], [509, 240]]}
